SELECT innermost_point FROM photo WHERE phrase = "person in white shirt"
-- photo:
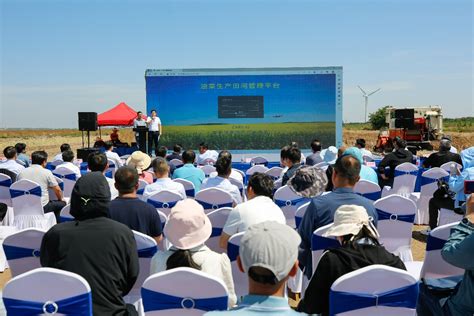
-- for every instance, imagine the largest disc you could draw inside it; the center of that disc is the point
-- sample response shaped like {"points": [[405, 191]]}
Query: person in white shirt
{"points": [[155, 130], [62, 148], [234, 174], [360, 143], [205, 155], [259, 208], [68, 158], [221, 181], [98, 162], [163, 181], [10, 164], [114, 157]]}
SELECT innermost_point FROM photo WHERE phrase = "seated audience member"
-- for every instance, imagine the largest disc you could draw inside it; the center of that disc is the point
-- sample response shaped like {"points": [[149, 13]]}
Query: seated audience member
{"points": [[114, 157], [308, 182], [38, 173], [97, 248], [234, 174], [223, 167], [442, 156], [268, 254], [315, 157], [131, 211], [206, 155], [11, 163], [99, 143], [259, 208], [359, 248], [189, 172], [456, 185], [366, 173], [163, 182], [68, 158], [62, 148], [458, 251], [176, 154], [98, 162], [187, 229], [292, 160], [141, 162], [452, 148], [21, 154], [321, 209], [162, 152], [330, 156], [392, 160], [114, 137], [360, 144]]}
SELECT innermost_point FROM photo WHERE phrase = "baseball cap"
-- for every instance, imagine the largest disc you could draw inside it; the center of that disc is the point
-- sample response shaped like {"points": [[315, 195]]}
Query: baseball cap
{"points": [[90, 196], [270, 245]]}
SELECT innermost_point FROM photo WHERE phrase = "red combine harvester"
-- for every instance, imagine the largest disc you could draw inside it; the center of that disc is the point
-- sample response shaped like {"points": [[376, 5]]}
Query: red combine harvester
{"points": [[418, 126]]}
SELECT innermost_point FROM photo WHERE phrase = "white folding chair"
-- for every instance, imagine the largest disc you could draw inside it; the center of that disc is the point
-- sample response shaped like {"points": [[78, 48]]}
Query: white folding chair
{"points": [[241, 173], [188, 187], [447, 166], [56, 163], [218, 219], [447, 216], [112, 168], [141, 188], [208, 169], [259, 160], [5, 231], [429, 185], [289, 202], [240, 185], [213, 198], [404, 181], [164, 244], [164, 201], [65, 214], [68, 177], [183, 291], [22, 250], [48, 291], [374, 290], [51, 194], [396, 215], [241, 283], [368, 189], [277, 185], [319, 243], [300, 211], [146, 247], [5, 183], [26, 201], [256, 168], [274, 172], [176, 162]]}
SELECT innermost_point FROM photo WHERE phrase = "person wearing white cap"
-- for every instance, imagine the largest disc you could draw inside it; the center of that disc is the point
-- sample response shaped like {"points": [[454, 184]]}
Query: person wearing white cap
{"points": [[330, 155], [268, 254], [358, 237], [187, 229]]}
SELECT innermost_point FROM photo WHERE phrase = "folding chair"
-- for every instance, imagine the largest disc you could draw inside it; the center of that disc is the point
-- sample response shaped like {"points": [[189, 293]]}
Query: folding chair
{"points": [[65, 214], [256, 168], [240, 185], [259, 160], [177, 163], [26, 201], [22, 250], [112, 168], [447, 166], [164, 201], [141, 188], [447, 216], [319, 244], [218, 219], [51, 194], [208, 169], [188, 187], [5, 183], [300, 211], [368, 189], [68, 177], [183, 291], [289, 202], [374, 290], [241, 283], [212, 199], [48, 291], [404, 181], [396, 215], [274, 172]]}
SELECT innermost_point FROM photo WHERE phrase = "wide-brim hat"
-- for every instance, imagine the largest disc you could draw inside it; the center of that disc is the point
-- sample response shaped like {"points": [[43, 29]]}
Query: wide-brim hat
{"points": [[308, 181], [349, 220], [139, 161], [187, 226]]}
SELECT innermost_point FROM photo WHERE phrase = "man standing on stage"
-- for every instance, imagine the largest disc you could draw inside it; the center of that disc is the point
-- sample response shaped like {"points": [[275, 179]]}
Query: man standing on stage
{"points": [[154, 131], [138, 122]]}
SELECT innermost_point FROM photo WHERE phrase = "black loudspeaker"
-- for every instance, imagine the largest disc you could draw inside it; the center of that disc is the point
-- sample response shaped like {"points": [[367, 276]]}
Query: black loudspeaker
{"points": [[85, 152], [87, 121]]}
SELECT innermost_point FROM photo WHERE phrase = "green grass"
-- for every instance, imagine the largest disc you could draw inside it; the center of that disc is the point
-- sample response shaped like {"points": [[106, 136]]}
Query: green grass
{"points": [[248, 136], [463, 124]]}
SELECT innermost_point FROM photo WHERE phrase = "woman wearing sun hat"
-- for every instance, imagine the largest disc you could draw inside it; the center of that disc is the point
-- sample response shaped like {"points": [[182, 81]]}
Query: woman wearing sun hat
{"points": [[187, 229], [141, 162], [359, 248]]}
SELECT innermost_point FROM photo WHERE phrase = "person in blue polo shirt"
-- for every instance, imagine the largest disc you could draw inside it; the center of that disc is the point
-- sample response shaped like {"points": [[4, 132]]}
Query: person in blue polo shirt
{"points": [[189, 172], [268, 254]]}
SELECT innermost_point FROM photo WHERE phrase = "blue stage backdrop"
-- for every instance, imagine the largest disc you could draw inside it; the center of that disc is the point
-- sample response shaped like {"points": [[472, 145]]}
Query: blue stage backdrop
{"points": [[248, 109]]}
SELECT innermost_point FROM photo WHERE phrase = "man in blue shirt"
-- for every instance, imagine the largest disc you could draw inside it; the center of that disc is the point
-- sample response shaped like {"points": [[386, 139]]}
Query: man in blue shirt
{"points": [[189, 172], [366, 173], [321, 210], [268, 255]]}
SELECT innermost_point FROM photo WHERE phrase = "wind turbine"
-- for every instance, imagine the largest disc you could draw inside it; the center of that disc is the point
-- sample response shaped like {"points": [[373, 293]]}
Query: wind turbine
{"points": [[366, 97]]}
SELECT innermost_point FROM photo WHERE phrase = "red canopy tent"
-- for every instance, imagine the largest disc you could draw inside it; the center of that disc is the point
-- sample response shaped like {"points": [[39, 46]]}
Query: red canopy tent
{"points": [[120, 115]]}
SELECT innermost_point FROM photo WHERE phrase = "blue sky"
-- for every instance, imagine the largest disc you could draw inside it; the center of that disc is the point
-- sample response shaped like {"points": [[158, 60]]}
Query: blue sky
{"points": [[61, 57]]}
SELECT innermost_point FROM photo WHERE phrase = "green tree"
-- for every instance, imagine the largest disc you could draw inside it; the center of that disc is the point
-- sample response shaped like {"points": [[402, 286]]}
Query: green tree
{"points": [[377, 119]]}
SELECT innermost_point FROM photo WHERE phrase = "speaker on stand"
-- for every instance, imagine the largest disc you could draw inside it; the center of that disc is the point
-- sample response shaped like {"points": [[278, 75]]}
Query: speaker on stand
{"points": [[87, 121]]}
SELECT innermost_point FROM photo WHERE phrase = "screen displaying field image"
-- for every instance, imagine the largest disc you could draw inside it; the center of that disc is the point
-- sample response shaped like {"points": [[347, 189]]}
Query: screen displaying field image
{"points": [[243, 109]]}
